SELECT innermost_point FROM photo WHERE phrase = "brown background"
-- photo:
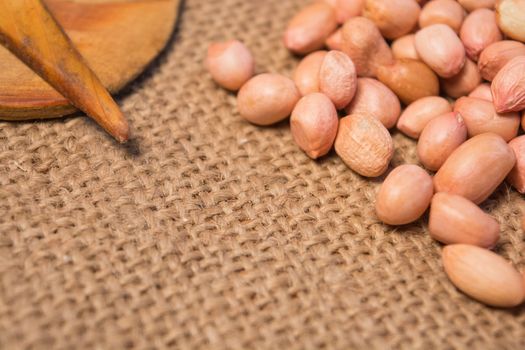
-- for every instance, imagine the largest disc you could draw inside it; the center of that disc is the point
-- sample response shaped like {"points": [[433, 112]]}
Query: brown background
{"points": [[208, 232]]}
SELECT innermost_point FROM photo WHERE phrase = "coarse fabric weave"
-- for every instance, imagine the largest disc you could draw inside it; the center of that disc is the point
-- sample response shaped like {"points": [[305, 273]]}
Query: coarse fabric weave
{"points": [[207, 232]]}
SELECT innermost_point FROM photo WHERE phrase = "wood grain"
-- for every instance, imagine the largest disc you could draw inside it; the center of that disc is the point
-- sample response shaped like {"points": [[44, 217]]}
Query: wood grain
{"points": [[118, 39]]}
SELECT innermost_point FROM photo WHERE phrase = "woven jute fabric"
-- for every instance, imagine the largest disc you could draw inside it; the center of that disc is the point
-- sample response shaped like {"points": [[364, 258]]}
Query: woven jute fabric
{"points": [[207, 232]]}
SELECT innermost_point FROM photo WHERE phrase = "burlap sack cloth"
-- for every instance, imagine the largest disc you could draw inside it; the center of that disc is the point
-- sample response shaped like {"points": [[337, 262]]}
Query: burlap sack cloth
{"points": [[209, 232]]}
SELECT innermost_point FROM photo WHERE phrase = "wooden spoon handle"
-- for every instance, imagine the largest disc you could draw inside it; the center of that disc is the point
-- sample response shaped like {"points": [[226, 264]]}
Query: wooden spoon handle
{"points": [[30, 32]]}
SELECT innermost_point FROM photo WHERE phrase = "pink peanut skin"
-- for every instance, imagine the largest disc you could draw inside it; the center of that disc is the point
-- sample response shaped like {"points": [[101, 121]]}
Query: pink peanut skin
{"points": [[405, 47], [508, 86], [404, 195], [306, 75], [481, 117], [447, 12], [417, 114], [267, 99], [230, 64], [454, 219], [440, 47], [478, 31], [440, 137], [464, 82], [482, 91], [476, 168], [376, 99], [471, 5], [338, 78], [364, 44], [335, 40], [394, 18], [314, 124], [346, 9], [309, 28], [496, 55], [517, 175]]}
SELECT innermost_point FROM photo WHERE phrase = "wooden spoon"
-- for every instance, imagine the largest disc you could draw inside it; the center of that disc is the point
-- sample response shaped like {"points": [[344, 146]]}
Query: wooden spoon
{"points": [[117, 39]]}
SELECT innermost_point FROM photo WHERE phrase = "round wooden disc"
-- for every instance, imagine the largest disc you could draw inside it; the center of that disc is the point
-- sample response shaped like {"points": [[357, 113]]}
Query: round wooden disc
{"points": [[118, 39]]}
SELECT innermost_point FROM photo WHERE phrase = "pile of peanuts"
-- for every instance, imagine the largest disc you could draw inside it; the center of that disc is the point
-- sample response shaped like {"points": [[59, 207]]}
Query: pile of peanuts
{"points": [[385, 53]]}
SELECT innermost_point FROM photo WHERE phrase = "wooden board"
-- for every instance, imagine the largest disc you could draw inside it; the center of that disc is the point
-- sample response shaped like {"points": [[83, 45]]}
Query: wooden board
{"points": [[118, 39]]}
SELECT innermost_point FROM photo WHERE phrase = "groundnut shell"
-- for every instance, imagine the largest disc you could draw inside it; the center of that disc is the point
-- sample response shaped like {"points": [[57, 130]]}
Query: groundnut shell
{"points": [[374, 98], [314, 124], [364, 144], [440, 137], [417, 115], [309, 28], [440, 48], [483, 275], [267, 99], [338, 78], [476, 168], [454, 219], [404, 195], [306, 75]]}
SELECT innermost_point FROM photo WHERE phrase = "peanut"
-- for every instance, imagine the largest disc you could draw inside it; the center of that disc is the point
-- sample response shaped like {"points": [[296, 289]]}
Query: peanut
{"points": [[230, 64], [409, 79], [447, 12], [478, 31], [510, 15], [308, 29], [476, 168], [440, 48], [404, 195], [496, 55], [464, 82], [394, 18], [440, 137], [417, 115], [481, 117], [374, 98], [306, 75], [471, 5], [364, 144], [363, 42], [346, 9], [338, 78], [405, 47], [508, 86], [314, 124], [517, 175], [454, 219], [482, 91], [483, 275], [267, 99]]}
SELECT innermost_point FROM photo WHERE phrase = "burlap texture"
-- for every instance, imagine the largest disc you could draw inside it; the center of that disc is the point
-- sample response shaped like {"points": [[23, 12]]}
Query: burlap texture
{"points": [[209, 232]]}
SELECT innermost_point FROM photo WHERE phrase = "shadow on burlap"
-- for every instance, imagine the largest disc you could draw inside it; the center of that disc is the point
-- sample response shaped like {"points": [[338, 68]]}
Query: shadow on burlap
{"points": [[209, 232]]}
